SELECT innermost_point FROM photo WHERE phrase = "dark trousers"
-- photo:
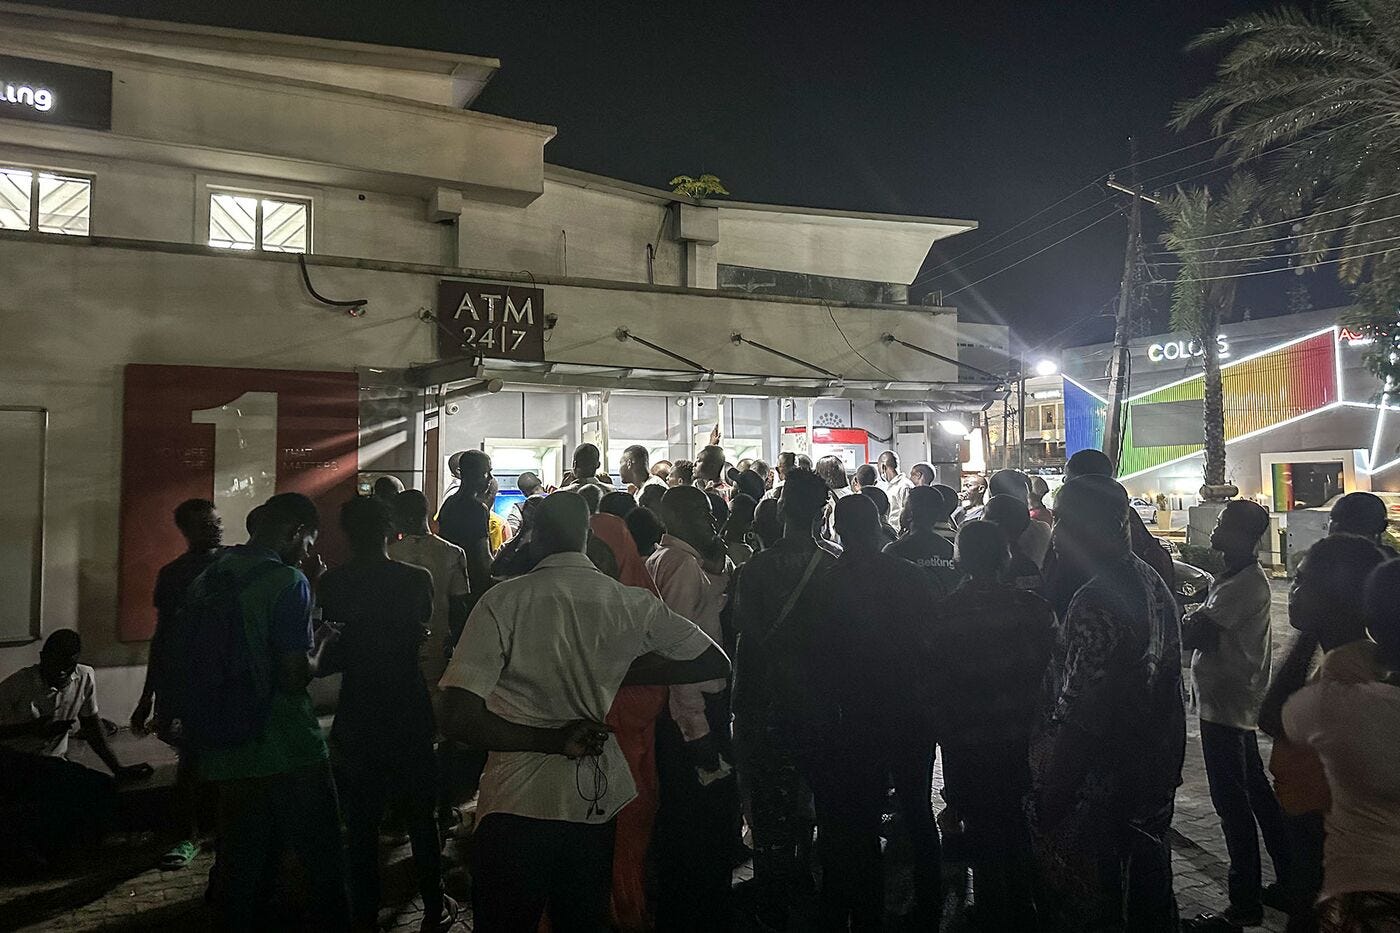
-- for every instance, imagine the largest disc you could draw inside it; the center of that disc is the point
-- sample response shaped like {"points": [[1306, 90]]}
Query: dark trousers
{"points": [[697, 829], [1242, 796], [849, 784], [1137, 869], [769, 754], [60, 804], [522, 867], [1306, 836], [987, 784], [256, 817], [366, 786]]}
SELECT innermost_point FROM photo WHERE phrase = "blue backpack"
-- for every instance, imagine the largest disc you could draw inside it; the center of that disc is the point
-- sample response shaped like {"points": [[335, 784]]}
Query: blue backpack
{"points": [[219, 689]]}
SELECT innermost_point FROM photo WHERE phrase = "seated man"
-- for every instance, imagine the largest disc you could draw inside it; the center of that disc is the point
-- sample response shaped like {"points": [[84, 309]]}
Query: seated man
{"points": [[62, 803]]}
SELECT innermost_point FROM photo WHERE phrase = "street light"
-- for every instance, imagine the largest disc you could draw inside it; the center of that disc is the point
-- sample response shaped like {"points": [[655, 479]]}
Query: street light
{"points": [[1046, 368], [954, 427]]}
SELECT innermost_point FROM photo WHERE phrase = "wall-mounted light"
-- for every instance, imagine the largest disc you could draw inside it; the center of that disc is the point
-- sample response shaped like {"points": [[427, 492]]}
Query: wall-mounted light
{"points": [[954, 427]]}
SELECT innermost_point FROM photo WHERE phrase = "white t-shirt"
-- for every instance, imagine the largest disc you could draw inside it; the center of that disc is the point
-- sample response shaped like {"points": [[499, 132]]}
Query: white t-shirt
{"points": [[1355, 729], [24, 697], [898, 491], [1232, 677], [551, 647], [448, 565]]}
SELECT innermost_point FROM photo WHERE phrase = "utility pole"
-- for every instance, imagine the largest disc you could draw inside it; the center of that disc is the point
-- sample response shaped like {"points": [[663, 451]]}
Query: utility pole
{"points": [[1118, 365]]}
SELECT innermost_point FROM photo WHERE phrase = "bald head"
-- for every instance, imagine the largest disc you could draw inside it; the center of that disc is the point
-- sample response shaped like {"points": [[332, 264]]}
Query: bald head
{"points": [[561, 525], [709, 463], [634, 467]]}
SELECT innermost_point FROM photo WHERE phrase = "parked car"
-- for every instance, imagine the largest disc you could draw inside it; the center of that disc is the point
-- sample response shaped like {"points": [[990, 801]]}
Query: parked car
{"points": [[1146, 509], [1190, 584]]}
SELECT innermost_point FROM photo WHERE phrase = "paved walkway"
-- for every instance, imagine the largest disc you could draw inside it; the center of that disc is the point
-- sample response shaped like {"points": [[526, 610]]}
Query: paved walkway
{"points": [[117, 890]]}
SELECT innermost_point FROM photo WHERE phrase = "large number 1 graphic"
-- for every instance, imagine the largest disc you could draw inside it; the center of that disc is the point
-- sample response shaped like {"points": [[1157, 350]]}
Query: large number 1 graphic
{"points": [[245, 455]]}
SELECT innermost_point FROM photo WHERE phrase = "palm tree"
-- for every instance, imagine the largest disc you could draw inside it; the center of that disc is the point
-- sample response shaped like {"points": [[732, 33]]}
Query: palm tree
{"points": [[1214, 238], [1317, 96]]}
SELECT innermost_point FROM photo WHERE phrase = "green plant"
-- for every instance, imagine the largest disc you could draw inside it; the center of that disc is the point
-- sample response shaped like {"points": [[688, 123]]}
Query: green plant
{"points": [[700, 188], [1316, 95], [1213, 237]]}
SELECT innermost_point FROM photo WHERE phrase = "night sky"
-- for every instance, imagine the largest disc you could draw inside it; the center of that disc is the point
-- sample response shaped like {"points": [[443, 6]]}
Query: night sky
{"points": [[982, 109]]}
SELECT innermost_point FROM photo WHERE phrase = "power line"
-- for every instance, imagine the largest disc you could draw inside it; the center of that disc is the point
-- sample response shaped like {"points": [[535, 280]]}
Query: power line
{"points": [[1015, 226], [1062, 239], [1305, 252], [933, 273], [1281, 239], [1321, 262], [1290, 220]]}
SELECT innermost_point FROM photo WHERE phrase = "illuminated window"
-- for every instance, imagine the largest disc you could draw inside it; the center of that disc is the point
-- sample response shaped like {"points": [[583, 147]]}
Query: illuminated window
{"points": [[247, 220], [49, 202]]}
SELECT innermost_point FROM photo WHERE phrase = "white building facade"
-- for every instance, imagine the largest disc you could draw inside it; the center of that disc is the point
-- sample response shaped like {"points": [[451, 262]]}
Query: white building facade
{"points": [[237, 263]]}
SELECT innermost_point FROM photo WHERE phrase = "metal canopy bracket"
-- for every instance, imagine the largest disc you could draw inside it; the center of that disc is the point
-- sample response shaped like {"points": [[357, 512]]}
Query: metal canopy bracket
{"points": [[992, 377], [738, 338], [623, 335]]}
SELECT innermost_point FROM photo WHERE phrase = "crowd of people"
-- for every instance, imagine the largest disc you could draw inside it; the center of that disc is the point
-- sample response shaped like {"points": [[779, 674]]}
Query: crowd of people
{"points": [[645, 684]]}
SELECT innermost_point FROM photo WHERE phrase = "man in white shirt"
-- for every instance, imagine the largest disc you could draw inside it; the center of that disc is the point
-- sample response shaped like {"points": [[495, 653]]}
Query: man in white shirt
{"points": [[636, 471], [448, 565], [532, 680], [1231, 667], [787, 462], [531, 487], [895, 484], [60, 802], [1353, 723]]}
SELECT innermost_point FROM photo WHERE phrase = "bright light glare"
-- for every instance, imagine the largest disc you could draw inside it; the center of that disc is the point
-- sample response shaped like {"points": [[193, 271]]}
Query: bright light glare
{"points": [[954, 427], [1046, 368]]}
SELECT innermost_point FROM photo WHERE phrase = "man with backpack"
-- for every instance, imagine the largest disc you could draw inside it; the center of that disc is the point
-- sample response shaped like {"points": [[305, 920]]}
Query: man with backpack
{"points": [[243, 706]]}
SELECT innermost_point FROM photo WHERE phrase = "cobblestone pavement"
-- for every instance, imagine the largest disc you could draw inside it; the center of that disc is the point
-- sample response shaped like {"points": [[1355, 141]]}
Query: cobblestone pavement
{"points": [[117, 889]]}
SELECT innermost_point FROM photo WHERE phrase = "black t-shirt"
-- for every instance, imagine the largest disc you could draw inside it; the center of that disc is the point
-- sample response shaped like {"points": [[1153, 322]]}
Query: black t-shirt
{"points": [[463, 521], [932, 552], [872, 642], [172, 582], [382, 608]]}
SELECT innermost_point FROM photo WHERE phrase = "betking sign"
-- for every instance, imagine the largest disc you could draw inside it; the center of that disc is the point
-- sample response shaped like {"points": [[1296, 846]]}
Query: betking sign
{"points": [[52, 92], [503, 322]]}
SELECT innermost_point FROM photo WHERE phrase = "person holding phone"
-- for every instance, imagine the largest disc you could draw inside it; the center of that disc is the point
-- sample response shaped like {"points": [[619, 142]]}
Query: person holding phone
{"points": [[61, 802]]}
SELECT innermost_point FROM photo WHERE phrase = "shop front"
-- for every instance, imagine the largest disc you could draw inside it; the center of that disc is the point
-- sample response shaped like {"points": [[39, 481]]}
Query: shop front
{"points": [[1304, 420]]}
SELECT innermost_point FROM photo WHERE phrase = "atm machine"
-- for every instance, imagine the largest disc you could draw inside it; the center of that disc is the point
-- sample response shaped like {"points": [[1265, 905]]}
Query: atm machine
{"points": [[851, 445]]}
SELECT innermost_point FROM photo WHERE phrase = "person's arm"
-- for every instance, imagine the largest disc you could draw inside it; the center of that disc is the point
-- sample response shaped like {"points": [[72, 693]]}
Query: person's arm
{"points": [[44, 728], [479, 564], [676, 651], [1292, 675], [291, 638], [91, 731], [652, 669], [466, 719]]}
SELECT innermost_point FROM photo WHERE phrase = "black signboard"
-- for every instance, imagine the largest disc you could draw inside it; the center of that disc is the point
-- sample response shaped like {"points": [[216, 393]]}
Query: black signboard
{"points": [[50, 92], [503, 322]]}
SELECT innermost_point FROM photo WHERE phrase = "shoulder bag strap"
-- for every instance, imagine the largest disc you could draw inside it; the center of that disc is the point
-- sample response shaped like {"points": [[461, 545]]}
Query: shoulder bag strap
{"points": [[793, 597]]}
